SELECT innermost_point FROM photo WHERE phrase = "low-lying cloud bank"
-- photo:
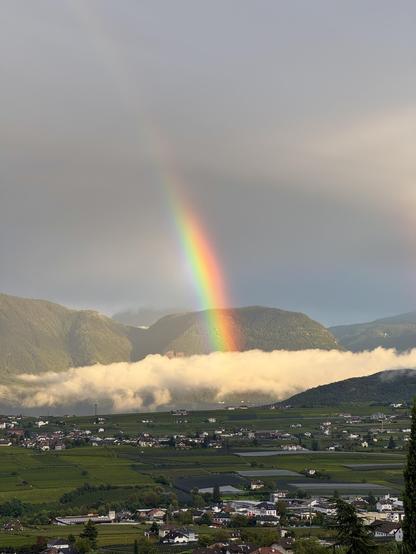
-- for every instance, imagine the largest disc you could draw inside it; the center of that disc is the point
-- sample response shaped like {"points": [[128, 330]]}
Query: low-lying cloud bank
{"points": [[158, 381]]}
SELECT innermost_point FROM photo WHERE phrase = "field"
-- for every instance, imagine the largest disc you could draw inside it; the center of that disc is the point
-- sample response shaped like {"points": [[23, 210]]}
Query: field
{"points": [[43, 477], [166, 423]]}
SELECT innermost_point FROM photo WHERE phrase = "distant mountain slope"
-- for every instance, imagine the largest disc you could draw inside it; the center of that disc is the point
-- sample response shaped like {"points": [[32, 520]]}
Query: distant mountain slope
{"points": [[142, 317], [36, 335], [386, 386], [392, 332], [256, 327]]}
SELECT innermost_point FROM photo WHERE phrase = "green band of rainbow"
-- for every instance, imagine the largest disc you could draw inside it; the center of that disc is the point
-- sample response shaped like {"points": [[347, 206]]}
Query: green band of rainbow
{"points": [[207, 277]]}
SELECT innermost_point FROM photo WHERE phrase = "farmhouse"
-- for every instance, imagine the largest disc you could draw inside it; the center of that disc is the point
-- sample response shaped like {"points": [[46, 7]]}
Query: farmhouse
{"points": [[264, 509], [74, 520], [221, 518], [254, 509], [256, 485], [172, 535], [152, 514], [395, 516], [274, 549], [58, 546], [226, 548], [62, 545], [12, 526], [387, 529], [267, 521], [278, 495]]}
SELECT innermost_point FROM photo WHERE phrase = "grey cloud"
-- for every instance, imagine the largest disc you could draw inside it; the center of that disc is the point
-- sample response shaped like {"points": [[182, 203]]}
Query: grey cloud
{"points": [[291, 126]]}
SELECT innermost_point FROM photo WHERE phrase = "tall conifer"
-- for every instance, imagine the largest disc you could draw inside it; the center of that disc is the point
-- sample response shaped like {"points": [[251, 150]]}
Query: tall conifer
{"points": [[409, 500]]}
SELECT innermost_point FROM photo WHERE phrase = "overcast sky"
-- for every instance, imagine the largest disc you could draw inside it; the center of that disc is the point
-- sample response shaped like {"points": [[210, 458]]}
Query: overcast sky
{"points": [[291, 125]]}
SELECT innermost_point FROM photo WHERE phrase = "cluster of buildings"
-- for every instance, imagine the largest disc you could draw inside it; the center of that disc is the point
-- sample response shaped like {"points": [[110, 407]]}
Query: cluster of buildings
{"points": [[37, 437], [341, 432], [384, 517], [283, 546]]}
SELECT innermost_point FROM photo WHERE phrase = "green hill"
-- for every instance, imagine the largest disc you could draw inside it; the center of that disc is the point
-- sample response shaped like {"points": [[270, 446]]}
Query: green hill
{"points": [[257, 327], [384, 387], [392, 332], [36, 335]]}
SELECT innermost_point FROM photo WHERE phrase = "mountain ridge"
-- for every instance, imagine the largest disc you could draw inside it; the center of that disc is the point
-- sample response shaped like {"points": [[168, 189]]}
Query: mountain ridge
{"points": [[39, 335], [394, 385], [397, 332]]}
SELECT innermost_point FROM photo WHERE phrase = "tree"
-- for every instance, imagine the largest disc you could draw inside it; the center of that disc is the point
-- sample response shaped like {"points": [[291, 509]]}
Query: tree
{"points": [[351, 531], [239, 520], [90, 534], [82, 545], [282, 509], [184, 517], [206, 519], [319, 519], [392, 444], [260, 537], [204, 540], [391, 548], [309, 546], [409, 498], [372, 501], [135, 547], [146, 547], [12, 508], [197, 501], [216, 494], [220, 535]]}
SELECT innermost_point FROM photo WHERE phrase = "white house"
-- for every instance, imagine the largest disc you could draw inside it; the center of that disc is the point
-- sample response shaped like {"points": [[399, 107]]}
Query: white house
{"points": [[256, 485], [263, 509], [61, 545], [169, 535], [384, 506], [387, 529], [396, 517]]}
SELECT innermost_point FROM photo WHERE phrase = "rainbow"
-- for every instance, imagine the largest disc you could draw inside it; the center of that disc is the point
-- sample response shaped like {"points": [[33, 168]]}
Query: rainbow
{"points": [[198, 251], [206, 274]]}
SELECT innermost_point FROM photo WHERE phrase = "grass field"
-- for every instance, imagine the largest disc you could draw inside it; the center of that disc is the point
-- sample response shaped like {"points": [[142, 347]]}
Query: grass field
{"points": [[107, 534], [43, 477], [165, 423]]}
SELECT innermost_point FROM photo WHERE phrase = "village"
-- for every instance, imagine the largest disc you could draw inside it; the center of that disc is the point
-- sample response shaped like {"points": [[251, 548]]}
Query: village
{"points": [[229, 480], [344, 432], [282, 513]]}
